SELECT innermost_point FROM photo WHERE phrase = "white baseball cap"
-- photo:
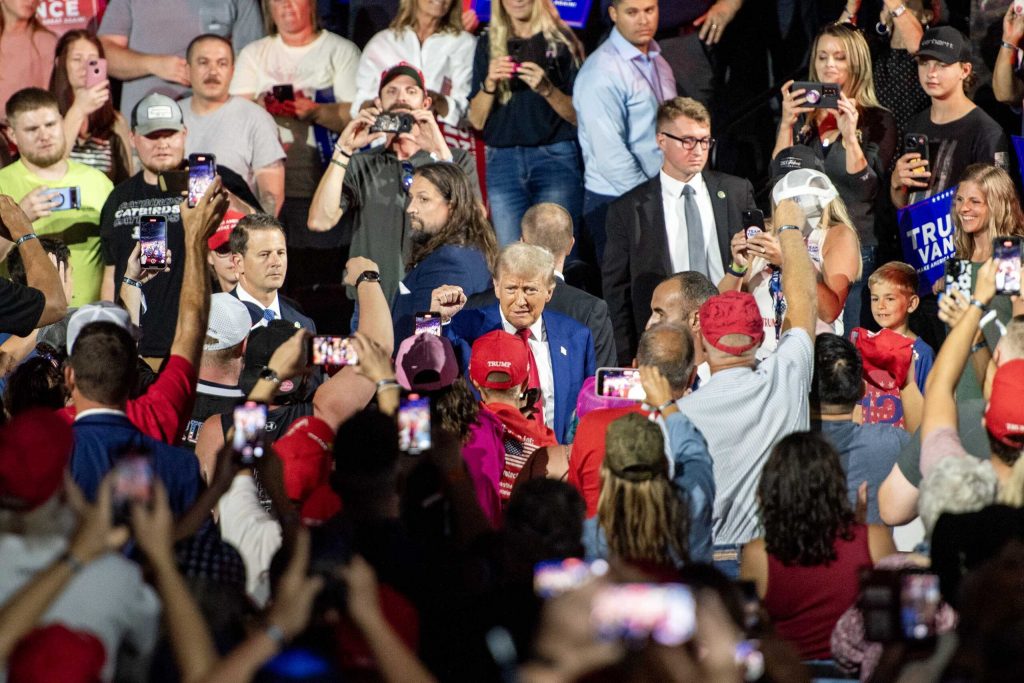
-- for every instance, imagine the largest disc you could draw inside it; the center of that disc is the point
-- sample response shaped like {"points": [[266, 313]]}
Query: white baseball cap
{"points": [[101, 311], [229, 322]]}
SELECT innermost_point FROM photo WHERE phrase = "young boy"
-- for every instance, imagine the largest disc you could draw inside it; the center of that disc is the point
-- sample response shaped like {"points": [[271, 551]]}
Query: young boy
{"points": [[893, 289]]}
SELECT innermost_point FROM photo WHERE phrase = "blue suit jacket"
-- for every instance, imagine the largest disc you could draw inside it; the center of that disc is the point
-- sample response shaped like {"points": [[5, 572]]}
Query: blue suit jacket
{"points": [[289, 311], [447, 265], [100, 439], [570, 344]]}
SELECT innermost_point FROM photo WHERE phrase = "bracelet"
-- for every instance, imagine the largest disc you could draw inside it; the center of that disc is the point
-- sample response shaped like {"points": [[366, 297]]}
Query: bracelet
{"points": [[664, 405], [342, 152], [981, 307], [388, 384], [275, 633], [898, 11], [784, 228], [1008, 46], [133, 283], [735, 270], [75, 563], [486, 91], [338, 163], [25, 238]]}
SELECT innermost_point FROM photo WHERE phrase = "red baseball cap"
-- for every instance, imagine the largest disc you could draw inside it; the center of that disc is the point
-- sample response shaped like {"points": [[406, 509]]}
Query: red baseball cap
{"points": [[731, 313], [1004, 416], [57, 653], [499, 352], [306, 451], [426, 362], [35, 448], [402, 69], [223, 234], [886, 354]]}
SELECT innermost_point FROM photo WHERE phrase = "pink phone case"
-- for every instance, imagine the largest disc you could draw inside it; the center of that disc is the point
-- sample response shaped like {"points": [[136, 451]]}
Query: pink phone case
{"points": [[95, 72]]}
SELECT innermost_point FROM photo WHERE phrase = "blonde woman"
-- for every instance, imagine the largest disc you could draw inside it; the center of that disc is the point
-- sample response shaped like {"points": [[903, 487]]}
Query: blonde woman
{"points": [[427, 34], [521, 99], [985, 206], [831, 243]]}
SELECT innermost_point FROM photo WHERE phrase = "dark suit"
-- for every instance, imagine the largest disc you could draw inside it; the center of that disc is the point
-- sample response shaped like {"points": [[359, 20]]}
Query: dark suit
{"points": [[580, 306], [289, 311], [637, 256], [569, 343]]}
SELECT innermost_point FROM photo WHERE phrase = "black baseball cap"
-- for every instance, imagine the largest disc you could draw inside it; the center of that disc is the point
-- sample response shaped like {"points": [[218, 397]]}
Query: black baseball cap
{"points": [[793, 158], [945, 44]]}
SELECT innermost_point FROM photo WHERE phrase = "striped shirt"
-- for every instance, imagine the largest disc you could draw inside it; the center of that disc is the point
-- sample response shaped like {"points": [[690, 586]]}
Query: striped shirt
{"points": [[743, 413], [95, 152]]}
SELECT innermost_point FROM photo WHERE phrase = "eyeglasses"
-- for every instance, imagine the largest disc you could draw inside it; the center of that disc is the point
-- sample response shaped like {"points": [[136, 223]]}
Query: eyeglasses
{"points": [[689, 143], [407, 171]]}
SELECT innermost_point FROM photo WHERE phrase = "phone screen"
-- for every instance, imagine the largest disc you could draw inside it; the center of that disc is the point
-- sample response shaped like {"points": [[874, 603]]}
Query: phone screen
{"points": [[637, 611], [153, 241], [133, 483], [65, 198], [919, 605], [753, 222], [620, 383], [283, 93], [250, 431], [428, 322], [332, 351], [1006, 252], [201, 170], [551, 579], [414, 424]]}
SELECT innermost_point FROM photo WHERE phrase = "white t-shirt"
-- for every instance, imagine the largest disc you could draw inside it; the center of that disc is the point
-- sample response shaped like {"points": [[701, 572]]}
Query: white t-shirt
{"points": [[330, 61], [241, 134], [446, 60], [743, 413]]}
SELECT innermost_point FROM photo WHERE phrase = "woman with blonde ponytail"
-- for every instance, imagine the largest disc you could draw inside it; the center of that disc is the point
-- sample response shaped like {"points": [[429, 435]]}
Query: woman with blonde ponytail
{"points": [[521, 98]]}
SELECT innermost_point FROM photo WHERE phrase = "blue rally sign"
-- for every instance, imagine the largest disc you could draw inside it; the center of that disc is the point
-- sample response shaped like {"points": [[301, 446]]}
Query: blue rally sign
{"points": [[573, 12], [926, 233]]}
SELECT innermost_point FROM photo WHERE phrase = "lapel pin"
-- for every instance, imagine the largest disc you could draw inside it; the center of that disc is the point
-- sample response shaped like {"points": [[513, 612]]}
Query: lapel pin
{"points": [[721, 194], [564, 352]]}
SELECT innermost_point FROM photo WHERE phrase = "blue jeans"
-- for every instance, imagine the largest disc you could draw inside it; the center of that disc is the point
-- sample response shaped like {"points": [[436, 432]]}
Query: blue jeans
{"points": [[859, 296], [727, 559], [519, 177]]}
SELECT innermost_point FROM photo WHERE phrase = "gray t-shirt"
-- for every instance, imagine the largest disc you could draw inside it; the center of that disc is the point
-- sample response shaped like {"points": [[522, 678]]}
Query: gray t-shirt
{"points": [[241, 134], [743, 413], [166, 27], [374, 202], [867, 453]]}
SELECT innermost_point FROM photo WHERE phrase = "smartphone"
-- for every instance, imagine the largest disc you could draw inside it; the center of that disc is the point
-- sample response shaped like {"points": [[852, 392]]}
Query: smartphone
{"points": [[551, 579], [414, 424], [392, 123], [133, 483], [1006, 252], [899, 605], [283, 93], [67, 198], [95, 72], [173, 182], [638, 611], [753, 222], [332, 351], [959, 277], [153, 241], [916, 142], [527, 50], [620, 383], [920, 598], [428, 322], [819, 95], [201, 170], [250, 431]]}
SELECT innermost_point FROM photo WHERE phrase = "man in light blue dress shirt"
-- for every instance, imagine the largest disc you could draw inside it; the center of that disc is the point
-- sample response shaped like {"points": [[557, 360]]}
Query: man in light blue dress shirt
{"points": [[616, 97]]}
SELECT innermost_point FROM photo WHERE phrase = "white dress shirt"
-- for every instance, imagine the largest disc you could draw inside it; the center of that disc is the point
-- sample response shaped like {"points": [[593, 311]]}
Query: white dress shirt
{"points": [[275, 305], [672, 202], [542, 356]]}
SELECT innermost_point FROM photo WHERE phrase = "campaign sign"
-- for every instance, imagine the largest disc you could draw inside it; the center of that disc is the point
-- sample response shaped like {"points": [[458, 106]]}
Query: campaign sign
{"points": [[926, 233], [61, 16], [573, 12]]}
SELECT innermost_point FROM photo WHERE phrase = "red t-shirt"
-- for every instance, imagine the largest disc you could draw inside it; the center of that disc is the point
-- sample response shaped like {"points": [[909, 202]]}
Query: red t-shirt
{"points": [[806, 602], [164, 410], [588, 452]]}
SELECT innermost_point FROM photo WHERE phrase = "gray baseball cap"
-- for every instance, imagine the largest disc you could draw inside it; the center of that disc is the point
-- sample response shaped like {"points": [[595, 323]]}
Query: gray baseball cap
{"points": [[156, 112]]}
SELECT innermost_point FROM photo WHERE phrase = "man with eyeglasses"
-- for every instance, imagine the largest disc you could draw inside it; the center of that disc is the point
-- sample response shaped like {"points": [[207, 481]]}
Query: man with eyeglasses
{"points": [[682, 219], [371, 172]]}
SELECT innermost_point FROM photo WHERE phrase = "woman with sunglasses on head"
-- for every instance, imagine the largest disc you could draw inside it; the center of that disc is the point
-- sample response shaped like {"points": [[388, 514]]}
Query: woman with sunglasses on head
{"points": [[95, 132], [521, 99], [855, 141]]}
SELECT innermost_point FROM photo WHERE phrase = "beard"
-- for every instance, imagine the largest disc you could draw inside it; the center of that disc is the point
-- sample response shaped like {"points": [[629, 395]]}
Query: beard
{"points": [[418, 235], [44, 160]]}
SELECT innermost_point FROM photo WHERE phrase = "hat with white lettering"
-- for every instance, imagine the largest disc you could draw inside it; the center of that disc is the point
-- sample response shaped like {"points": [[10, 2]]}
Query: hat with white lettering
{"points": [[499, 361], [426, 362], [156, 112], [946, 44], [1004, 415]]}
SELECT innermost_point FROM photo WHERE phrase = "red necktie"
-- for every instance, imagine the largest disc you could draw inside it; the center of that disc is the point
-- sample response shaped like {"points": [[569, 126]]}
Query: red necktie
{"points": [[534, 382]]}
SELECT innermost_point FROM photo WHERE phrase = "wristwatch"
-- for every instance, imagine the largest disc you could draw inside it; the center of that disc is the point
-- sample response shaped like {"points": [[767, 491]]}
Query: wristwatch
{"points": [[368, 276], [269, 375]]}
